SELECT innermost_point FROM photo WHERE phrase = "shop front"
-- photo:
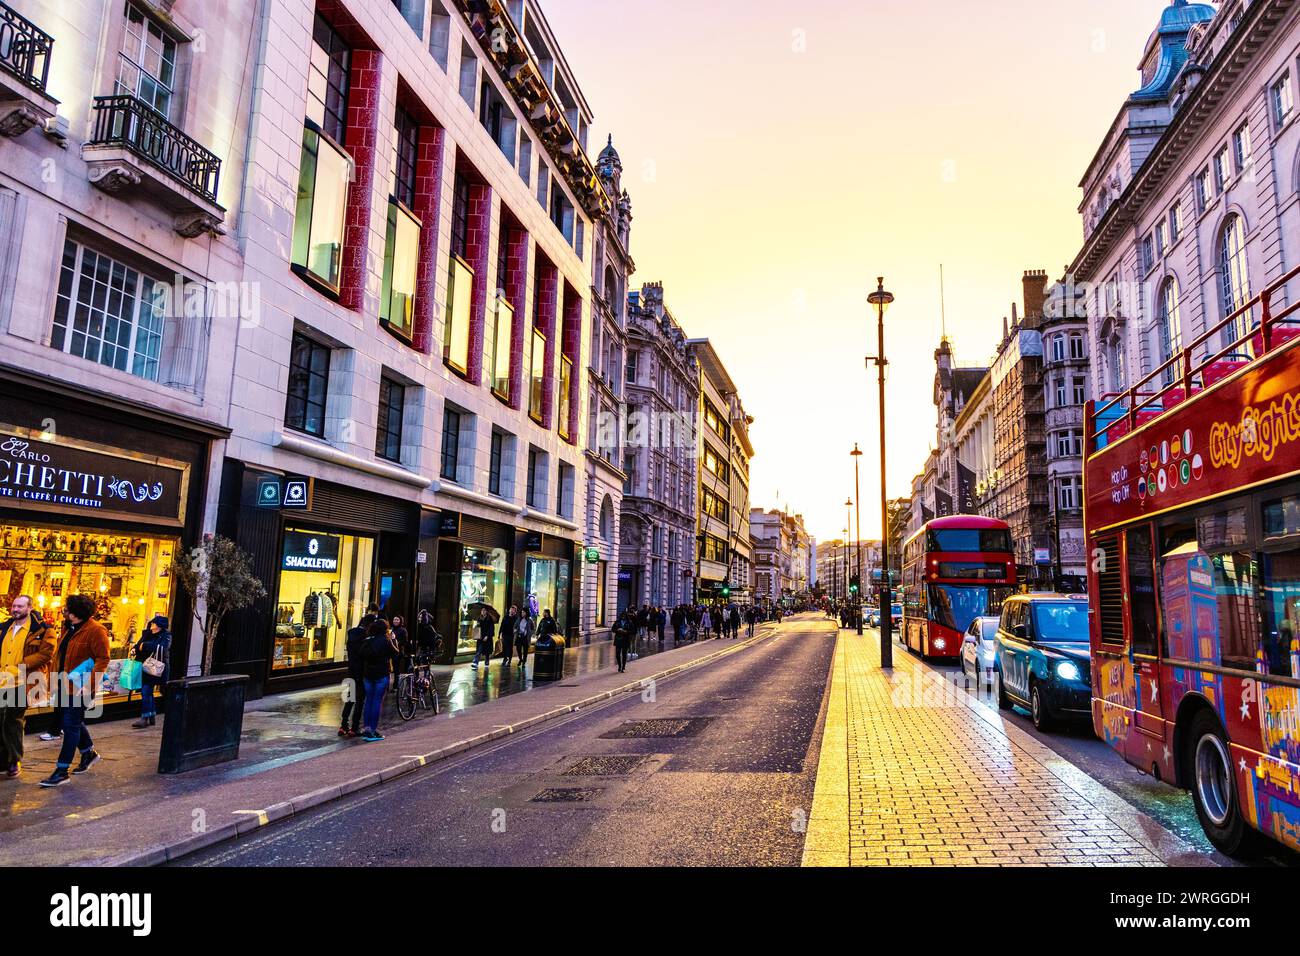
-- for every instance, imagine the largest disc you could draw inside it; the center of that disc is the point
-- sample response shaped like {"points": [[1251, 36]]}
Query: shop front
{"points": [[548, 578], [474, 570], [325, 554], [97, 499]]}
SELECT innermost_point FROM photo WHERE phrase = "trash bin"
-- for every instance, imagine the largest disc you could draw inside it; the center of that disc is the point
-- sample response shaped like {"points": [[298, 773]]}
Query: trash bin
{"points": [[548, 661]]}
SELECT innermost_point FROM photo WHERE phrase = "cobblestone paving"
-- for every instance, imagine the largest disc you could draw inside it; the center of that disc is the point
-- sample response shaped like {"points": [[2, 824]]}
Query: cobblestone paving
{"points": [[908, 782]]}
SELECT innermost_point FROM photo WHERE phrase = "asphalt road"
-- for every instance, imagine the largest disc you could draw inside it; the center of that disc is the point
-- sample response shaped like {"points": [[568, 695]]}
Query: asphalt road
{"points": [[731, 786]]}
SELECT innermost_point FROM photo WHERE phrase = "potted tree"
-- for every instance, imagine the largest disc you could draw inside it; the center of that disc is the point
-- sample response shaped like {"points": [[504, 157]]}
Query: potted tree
{"points": [[205, 714]]}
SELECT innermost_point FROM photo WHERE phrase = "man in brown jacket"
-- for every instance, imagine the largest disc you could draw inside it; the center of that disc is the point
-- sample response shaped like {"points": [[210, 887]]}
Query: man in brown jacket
{"points": [[26, 648], [85, 640]]}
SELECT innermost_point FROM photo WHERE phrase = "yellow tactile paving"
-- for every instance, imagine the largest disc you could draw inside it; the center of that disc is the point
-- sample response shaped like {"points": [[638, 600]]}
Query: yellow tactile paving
{"points": [[903, 781]]}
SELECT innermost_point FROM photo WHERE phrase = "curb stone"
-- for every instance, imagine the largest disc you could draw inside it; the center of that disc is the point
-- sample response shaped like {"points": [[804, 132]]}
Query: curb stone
{"points": [[293, 806]]}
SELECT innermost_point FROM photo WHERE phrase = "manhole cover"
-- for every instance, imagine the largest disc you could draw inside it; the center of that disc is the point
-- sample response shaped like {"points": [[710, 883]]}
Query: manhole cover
{"points": [[567, 795], [606, 766], [659, 727]]}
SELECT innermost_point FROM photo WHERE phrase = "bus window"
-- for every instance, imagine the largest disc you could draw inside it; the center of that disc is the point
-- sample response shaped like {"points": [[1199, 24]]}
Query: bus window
{"points": [[1280, 581], [1235, 578], [969, 539], [1142, 592]]}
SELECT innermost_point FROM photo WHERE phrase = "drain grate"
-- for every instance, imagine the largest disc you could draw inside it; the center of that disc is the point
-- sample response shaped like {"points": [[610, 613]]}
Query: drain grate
{"points": [[567, 795], [610, 765], [658, 727]]}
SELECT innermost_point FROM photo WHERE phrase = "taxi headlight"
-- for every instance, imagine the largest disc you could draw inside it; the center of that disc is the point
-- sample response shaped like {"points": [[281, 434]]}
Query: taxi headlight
{"points": [[1067, 670]]}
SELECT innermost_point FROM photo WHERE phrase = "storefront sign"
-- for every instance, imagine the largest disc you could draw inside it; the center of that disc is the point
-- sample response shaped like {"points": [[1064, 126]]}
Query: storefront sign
{"points": [[60, 476], [593, 555], [276, 492], [304, 551], [1042, 556], [297, 493], [449, 524], [533, 541], [268, 493]]}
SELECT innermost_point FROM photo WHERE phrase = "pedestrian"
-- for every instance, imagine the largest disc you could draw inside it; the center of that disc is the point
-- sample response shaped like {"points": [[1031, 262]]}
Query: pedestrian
{"points": [[751, 618], [624, 629], [523, 638], [26, 649], [427, 639], [402, 637], [487, 632], [156, 641], [546, 627], [377, 654], [706, 623], [735, 623], [355, 691], [509, 625], [661, 620], [679, 625], [82, 657]]}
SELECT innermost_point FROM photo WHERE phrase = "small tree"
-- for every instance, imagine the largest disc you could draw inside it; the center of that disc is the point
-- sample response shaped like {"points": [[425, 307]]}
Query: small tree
{"points": [[219, 578]]}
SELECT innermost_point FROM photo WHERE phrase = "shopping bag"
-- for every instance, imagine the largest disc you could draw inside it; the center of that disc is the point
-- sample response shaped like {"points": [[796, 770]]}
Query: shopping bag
{"points": [[129, 678]]}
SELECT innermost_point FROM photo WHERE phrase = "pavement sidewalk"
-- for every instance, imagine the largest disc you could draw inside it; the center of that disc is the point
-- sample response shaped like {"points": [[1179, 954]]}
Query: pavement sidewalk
{"points": [[124, 813], [916, 772]]}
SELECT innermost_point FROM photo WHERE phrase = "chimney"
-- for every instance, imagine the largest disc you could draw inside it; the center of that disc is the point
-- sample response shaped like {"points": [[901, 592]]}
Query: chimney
{"points": [[1035, 284]]}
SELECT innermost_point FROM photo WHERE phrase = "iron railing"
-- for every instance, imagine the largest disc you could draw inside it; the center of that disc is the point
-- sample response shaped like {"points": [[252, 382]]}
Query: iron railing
{"points": [[124, 120], [24, 48], [1179, 378]]}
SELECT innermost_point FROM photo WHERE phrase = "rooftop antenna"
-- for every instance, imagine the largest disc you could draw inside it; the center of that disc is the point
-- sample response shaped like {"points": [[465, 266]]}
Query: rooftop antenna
{"points": [[943, 312]]}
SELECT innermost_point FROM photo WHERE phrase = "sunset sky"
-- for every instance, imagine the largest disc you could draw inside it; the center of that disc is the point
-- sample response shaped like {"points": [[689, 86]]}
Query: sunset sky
{"points": [[780, 156]]}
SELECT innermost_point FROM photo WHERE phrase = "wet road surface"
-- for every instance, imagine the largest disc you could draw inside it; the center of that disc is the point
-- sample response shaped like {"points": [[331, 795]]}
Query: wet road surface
{"points": [[716, 768]]}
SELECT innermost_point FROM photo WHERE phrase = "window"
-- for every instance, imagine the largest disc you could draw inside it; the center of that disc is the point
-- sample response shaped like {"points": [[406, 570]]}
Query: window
{"points": [[468, 74], [564, 492], [494, 463], [1203, 193], [1162, 242], [146, 67], [566, 394], [1076, 347], [1148, 254], [1222, 170], [632, 359], [713, 549], [713, 463], [440, 35], [498, 120], [1234, 282], [525, 164], [1241, 146], [323, 177], [562, 214], [109, 313], [503, 329], [309, 369], [537, 376], [392, 406], [1175, 223], [543, 184], [714, 420], [1058, 348], [1282, 100], [460, 286], [714, 505], [402, 241], [1069, 494], [1060, 393], [450, 444], [536, 477], [1069, 444], [328, 68], [1169, 328]]}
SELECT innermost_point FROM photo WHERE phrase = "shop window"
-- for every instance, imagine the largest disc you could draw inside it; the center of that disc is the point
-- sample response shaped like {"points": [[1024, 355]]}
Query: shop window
{"points": [[325, 582], [484, 581], [146, 66], [309, 369], [392, 408], [128, 576], [450, 444], [602, 575], [109, 313], [546, 588]]}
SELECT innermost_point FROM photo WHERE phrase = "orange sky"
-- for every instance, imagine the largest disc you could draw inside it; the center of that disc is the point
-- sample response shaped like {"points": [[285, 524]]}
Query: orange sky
{"points": [[780, 156]]}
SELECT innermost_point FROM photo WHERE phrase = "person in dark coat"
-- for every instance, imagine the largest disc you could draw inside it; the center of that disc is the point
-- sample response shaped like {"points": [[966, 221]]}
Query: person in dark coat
{"points": [[155, 641], [378, 653], [523, 638], [487, 633], [661, 620], [624, 632], [508, 628], [350, 725], [547, 627], [735, 622]]}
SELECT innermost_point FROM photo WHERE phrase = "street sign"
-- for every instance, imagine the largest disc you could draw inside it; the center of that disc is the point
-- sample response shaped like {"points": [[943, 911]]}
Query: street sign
{"points": [[1042, 556], [593, 555]]}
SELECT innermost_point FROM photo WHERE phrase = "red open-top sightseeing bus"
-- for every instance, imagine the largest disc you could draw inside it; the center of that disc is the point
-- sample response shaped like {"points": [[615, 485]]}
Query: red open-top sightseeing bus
{"points": [[1193, 519], [955, 569]]}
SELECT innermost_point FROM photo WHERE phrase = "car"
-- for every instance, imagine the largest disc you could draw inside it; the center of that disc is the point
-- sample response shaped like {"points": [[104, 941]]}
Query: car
{"points": [[873, 617], [896, 616], [978, 649], [1041, 657]]}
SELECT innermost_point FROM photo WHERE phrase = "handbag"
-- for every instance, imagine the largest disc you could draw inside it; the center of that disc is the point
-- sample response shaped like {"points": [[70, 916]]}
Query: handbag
{"points": [[128, 677], [155, 666]]}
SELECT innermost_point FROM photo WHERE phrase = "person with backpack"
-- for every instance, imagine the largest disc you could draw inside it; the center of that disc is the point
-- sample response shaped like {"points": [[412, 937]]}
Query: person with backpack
{"points": [[355, 701], [377, 656], [155, 642], [523, 638]]}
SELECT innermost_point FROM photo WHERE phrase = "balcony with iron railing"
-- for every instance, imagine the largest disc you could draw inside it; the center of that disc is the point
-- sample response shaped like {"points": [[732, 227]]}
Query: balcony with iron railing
{"points": [[1181, 377], [25, 52], [135, 149]]}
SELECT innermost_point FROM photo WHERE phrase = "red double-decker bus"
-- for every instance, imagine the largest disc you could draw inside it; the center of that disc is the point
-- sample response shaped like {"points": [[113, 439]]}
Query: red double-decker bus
{"points": [[955, 569], [1192, 513]]}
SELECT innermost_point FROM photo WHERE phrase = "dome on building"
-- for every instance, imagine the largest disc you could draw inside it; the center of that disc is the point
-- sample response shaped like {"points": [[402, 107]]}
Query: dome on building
{"points": [[609, 154], [1166, 50]]}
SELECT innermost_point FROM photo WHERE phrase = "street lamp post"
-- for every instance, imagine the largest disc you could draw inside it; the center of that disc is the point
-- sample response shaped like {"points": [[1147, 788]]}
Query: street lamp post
{"points": [[857, 535], [848, 553], [881, 300]]}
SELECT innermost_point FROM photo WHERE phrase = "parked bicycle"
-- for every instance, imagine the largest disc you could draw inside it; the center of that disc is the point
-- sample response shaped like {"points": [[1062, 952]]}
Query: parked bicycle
{"points": [[416, 690]]}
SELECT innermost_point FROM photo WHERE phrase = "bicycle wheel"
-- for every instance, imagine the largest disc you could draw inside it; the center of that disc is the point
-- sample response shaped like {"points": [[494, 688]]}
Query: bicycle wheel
{"points": [[435, 703], [406, 702]]}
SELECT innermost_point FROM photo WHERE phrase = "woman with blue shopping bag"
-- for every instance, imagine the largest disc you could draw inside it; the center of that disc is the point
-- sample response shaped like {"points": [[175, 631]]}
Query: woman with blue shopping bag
{"points": [[151, 653]]}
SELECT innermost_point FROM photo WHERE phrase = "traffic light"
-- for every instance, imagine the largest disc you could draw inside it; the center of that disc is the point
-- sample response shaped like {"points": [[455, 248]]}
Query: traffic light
{"points": [[726, 591], [854, 583]]}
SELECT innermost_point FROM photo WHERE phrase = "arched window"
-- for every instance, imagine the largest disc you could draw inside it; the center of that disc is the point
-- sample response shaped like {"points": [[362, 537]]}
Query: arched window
{"points": [[1169, 328], [1234, 282], [606, 519]]}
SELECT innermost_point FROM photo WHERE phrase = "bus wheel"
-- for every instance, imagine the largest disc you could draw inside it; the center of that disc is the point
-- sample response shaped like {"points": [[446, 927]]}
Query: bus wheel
{"points": [[1004, 702], [1038, 709], [1214, 788]]}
